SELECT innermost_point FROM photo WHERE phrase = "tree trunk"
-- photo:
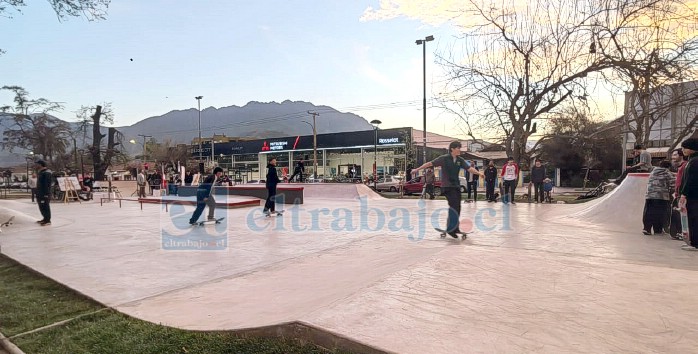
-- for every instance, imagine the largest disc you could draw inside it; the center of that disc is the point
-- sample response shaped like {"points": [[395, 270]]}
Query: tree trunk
{"points": [[96, 145]]}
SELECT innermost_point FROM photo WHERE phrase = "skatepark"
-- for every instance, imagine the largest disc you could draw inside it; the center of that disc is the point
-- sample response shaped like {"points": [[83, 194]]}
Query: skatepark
{"points": [[371, 274]]}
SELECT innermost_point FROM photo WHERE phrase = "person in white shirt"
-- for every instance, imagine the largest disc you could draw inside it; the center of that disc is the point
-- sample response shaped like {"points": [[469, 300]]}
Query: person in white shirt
{"points": [[510, 174]]}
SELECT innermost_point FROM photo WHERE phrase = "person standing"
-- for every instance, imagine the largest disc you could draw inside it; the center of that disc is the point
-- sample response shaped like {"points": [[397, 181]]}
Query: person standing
{"points": [[688, 193], [429, 180], [490, 181], [188, 178], [272, 181], [32, 185], [140, 180], [659, 188], [537, 178], [451, 164], [473, 179], [43, 192], [510, 174], [204, 197]]}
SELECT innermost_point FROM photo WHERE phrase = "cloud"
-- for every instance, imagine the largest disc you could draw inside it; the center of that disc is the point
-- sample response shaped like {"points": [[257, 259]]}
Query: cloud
{"points": [[434, 13]]}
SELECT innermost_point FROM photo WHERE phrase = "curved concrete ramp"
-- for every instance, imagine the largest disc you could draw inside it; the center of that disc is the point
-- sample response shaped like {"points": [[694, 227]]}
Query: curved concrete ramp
{"points": [[338, 191], [619, 210]]}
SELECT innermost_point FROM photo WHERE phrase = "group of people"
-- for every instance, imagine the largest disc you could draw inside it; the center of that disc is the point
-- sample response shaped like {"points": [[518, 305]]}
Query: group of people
{"points": [[668, 191]]}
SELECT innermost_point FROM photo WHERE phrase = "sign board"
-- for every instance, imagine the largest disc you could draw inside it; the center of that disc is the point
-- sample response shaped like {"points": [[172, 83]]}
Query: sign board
{"points": [[63, 183]]}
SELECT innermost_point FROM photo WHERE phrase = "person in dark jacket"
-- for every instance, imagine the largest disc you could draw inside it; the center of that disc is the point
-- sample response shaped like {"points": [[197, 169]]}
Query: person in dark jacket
{"points": [[490, 181], [88, 183], [43, 191], [472, 179], [272, 181], [298, 171], [537, 177], [204, 196], [688, 193]]}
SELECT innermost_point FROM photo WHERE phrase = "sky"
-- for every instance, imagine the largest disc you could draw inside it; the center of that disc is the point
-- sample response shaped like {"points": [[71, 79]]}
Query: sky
{"points": [[151, 57]]}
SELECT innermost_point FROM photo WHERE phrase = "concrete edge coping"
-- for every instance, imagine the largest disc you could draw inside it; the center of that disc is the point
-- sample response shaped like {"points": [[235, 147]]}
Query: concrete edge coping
{"points": [[298, 330], [307, 333], [9, 346]]}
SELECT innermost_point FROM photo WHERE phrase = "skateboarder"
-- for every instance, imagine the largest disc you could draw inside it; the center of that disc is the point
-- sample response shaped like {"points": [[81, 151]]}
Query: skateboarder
{"points": [[204, 196], [272, 181], [689, 191], [451, 164], [43, 192], [298, 171]]}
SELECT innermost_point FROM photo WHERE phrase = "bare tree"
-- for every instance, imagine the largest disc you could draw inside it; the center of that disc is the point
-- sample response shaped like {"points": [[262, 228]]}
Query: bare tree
{"points": [[652, 64], [103, 157], [29, 126], [522, 60]]}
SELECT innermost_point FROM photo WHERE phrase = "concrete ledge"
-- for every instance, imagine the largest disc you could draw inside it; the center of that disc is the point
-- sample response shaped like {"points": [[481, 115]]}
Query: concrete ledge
{"points": [[306, 333], [285, 194]]}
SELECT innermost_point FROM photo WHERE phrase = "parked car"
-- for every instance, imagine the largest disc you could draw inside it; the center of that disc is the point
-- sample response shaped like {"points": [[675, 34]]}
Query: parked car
{"points": [[389, 184], [255, 181]]}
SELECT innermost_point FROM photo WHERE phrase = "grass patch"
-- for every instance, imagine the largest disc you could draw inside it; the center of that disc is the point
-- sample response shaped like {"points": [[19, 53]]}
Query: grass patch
{"points": [[29, 300]]}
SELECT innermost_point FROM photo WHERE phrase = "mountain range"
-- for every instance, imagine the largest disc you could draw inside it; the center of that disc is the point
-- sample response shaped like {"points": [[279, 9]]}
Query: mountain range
{"points": [[253, 120]]}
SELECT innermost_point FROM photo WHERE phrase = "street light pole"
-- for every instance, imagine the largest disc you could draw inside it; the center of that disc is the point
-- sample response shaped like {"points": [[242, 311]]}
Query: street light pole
{"points": [[145, 159], [314, 144], [375, 124], [198, 99], [423, 43]]}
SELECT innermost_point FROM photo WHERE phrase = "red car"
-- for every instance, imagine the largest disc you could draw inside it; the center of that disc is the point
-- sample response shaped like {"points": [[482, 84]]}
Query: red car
{"points": [[415, 186]]}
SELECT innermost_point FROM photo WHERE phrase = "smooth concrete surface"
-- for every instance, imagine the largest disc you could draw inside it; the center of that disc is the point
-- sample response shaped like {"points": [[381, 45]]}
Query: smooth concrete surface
{"points": [[545, 278]]}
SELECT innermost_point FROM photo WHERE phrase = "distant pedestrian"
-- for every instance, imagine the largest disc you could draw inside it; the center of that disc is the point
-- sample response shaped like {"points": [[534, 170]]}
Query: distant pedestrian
{"points": [[429, 181], [490, 181], [538, 175], [141, 181], [510, 175], [272, 181], [473, 181], [43, 191], [32, 185]]}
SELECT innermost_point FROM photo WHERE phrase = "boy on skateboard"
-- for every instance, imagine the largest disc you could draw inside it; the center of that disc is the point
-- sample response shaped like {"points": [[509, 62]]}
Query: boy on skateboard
{"points": [[204, 197], [451, 164]]}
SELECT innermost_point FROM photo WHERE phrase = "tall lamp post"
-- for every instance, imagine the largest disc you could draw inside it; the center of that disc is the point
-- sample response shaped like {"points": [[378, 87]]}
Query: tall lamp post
{"points": [[314, 147], [30, 157], [198, 99], [375, 124], [423, 43]]}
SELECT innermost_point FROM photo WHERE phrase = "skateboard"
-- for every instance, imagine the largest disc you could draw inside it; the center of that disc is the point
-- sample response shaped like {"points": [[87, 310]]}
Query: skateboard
{"points": [[7, 223], [684, 221], [277, 213], [444, 233], [217, 221]]}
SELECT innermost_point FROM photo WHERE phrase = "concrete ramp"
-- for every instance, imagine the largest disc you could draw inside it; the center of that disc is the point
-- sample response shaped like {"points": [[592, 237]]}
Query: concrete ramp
{"points": [[338, 191], [619, 210]]}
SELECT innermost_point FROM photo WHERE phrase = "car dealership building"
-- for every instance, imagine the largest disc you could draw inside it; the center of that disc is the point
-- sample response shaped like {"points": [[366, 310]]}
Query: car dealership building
{"points": [[391, 150]]}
